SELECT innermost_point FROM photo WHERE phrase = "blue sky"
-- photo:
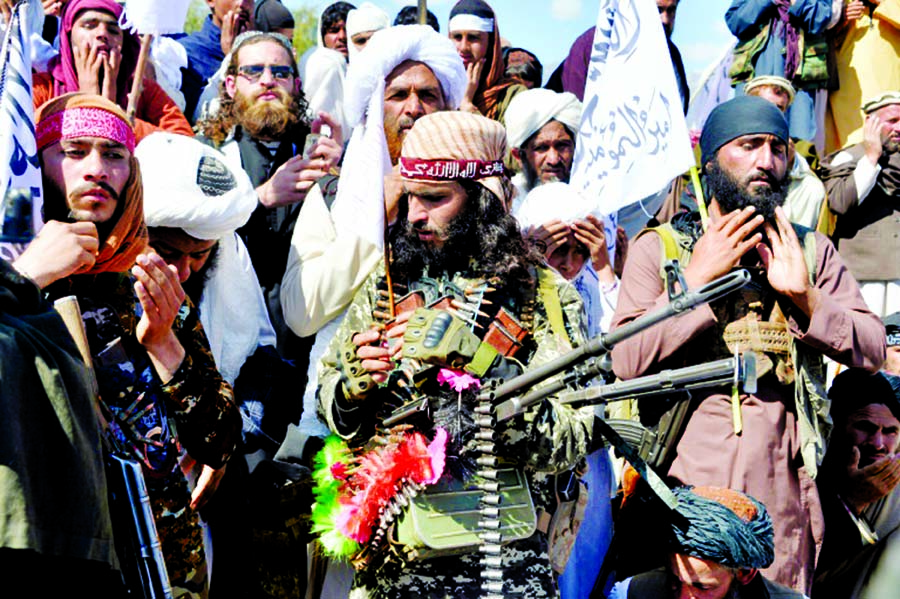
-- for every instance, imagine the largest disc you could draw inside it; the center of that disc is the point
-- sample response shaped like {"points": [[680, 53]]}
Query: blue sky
{"points": [[548, 27]]}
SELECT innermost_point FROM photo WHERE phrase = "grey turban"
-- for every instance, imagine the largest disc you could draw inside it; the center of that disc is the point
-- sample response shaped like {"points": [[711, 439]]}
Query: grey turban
{"points": [[712, 531]]}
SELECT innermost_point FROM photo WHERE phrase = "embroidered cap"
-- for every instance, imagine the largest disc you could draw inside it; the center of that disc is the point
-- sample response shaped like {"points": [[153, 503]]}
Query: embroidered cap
{"points": [[880, 101], [774, 81], [82, 115]]}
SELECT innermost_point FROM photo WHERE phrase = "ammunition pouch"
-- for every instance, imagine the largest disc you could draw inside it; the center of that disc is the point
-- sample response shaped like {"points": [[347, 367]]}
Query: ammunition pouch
{"points": [[445, 519]]}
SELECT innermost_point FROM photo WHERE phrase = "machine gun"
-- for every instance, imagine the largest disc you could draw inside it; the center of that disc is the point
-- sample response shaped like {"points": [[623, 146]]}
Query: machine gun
{"points": [[591, 359]]}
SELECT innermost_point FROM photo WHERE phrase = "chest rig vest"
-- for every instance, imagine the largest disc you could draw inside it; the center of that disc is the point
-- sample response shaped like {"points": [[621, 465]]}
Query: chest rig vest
{"points": [[486, 501]]}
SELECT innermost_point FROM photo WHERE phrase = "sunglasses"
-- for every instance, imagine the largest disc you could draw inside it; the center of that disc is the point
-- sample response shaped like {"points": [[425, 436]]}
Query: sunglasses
{"points": [[253, 72]]}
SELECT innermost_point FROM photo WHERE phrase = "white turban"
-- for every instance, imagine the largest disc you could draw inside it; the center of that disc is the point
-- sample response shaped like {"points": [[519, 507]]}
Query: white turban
{"points": [[564, 202], [367, 17], [554, 201], [359, 205], [189, 186], [532, 109]]}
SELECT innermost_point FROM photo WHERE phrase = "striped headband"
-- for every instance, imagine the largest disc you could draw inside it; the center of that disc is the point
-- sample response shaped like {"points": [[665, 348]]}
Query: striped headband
{"points": [[84, 121], [449, 170]]}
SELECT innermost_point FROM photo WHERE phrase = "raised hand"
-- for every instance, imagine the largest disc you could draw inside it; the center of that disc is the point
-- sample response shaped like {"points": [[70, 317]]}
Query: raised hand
{"points": [[473, 78], [854, 10], [161, 295], [873, 138], [327, 148], [591, 234], [59, 250], [866, 485], [548, 237], [722, 245], [785, 266], [88, 66], [292, 181], [52, 8], [110, 64]]}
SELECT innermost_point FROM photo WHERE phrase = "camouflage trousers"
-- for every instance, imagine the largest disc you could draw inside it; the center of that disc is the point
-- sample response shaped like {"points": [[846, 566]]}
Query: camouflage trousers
{"points": [[526, 575]]}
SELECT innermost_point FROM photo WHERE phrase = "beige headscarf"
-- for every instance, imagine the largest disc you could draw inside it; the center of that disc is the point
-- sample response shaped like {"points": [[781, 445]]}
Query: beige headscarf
{"points": [[450, 146]]}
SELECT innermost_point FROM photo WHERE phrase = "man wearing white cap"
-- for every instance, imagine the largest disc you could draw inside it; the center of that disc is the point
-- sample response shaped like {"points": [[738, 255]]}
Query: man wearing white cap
{"points": [[362, 23], [193, 204], [541, 126], [863, 185]]}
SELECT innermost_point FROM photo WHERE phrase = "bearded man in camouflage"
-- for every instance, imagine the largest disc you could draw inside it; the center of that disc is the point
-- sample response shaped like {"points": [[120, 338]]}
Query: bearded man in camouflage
{"points": [[468, 302]]}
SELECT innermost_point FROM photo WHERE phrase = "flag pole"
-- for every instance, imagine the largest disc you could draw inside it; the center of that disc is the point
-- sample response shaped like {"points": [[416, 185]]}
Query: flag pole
{"points": [[701, 201], [138, 82], [423, 12]]}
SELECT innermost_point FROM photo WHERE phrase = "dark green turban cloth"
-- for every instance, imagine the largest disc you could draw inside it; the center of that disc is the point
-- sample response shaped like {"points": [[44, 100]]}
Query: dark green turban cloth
{"points": [[711, 531], [744, 115]]}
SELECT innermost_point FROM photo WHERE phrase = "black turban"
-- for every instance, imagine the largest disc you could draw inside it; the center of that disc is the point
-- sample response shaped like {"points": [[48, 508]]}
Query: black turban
{"points": [[744, 115], [856, 388], [479, 8]]}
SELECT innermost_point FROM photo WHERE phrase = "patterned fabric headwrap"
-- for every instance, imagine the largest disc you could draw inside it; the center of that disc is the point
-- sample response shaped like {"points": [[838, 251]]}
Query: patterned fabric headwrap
{"points": [[85, 115], [723, 526], [449, 146], [85, 121]]}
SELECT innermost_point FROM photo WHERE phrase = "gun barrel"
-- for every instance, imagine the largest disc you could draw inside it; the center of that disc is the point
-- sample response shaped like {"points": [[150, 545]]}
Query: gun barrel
{"points": [[604, 343], [710, 374]]}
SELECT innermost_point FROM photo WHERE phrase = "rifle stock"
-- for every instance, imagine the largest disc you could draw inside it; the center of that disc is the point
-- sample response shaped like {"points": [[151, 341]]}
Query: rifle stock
{"points": [[143, 565]]}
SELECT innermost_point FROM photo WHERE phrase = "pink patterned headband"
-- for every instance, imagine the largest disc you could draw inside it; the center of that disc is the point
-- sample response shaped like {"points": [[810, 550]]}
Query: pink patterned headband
{"points": [[84, 121], [449, 170]]}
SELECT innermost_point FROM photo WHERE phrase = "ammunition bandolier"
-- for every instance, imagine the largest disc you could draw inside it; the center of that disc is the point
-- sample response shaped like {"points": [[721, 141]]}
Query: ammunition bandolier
{"points": [[499, 480]]}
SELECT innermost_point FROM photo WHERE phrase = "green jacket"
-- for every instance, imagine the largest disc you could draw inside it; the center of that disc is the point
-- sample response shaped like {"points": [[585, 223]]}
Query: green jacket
{"points": [[52, 481]]}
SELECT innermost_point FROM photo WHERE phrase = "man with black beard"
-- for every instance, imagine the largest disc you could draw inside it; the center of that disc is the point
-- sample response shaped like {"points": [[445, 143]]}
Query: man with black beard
{"points": [[859, 481], [465, 299], [863, 185], [193, 203], [801, 304]]}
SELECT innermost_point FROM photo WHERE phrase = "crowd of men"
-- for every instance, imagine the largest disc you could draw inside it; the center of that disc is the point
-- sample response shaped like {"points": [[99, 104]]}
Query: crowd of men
{"points": [[306, 284]]}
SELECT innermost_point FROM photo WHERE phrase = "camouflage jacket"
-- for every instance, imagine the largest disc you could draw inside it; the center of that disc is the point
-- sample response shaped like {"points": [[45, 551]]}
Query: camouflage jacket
{"points": [[144, 413], [548, 439]]}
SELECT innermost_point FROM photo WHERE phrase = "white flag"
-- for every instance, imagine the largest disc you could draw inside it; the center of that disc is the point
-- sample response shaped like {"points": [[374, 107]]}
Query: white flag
{"points": [[18, 148], [156, 17], [633, 139]]}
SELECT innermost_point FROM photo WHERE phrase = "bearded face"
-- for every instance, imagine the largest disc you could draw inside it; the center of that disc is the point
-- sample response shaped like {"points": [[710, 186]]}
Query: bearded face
{"points": [[415, 251], [270, 115], [757, 188]]}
